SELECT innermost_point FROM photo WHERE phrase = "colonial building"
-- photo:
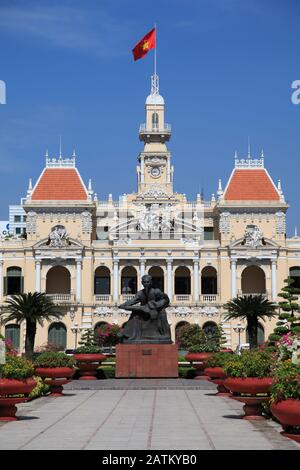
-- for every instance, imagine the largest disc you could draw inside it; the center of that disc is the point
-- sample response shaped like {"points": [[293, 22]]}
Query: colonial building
{"points": [[89, 255]]}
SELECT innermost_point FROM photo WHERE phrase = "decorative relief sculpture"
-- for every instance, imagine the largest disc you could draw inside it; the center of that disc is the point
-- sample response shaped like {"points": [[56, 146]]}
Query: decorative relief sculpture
{"points": [[253, 237], [225, 223], [86, 221], [154, 219], [31, 222], [58, 237], [280, 223]]}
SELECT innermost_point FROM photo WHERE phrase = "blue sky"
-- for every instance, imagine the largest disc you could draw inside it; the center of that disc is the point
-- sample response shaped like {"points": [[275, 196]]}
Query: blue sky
{"points": [[225, 68]]}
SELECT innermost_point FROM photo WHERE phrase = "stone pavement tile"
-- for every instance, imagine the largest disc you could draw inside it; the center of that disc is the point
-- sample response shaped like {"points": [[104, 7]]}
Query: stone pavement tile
{"points": [[138, 419]]}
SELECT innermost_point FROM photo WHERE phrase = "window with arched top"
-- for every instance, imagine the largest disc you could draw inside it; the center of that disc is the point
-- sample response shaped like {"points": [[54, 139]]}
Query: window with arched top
{"points": [[182, 281], [210, 329], [58, 280], [12, 333], [14, 281], [129, 280], [157, 274], [155, 121], [209, 282], [260, 334], [295, 275], [102, 281], [57, 335], [253, 280]]}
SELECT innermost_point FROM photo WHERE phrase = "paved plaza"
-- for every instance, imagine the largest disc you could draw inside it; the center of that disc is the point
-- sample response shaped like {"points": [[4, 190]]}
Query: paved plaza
{"points": [[139, 414]]}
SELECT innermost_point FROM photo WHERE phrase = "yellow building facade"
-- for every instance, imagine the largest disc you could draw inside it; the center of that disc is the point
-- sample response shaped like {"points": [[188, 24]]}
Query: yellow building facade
{"points": [[89, 255]]}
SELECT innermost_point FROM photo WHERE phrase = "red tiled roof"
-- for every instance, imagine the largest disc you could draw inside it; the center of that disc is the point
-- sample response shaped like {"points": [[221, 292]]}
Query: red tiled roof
{"points": [[251, 185], [59, 184]]}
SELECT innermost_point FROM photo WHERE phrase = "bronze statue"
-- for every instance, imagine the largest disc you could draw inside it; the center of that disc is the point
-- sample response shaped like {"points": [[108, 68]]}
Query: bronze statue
{"points": [[148, 321]]}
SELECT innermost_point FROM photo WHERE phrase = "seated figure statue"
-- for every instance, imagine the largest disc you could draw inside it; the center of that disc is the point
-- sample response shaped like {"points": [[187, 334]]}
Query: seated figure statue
{"points": [[148, 321]]}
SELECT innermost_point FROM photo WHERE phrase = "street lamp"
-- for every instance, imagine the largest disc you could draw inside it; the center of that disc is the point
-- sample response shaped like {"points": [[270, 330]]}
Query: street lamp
{"points": [[239, 329], [75, 329]]}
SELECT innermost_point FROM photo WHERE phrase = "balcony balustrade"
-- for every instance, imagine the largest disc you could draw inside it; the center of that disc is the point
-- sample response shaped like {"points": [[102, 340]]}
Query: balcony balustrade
{"points": [[61, 298]]}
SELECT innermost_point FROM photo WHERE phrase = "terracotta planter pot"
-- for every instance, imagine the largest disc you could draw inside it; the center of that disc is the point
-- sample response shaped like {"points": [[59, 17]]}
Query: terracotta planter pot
{"points": [[217, 376], [8, 404], [226, 351], [287, 412], [88, 364], [16, 387], [201, 358], [250, 386], [55, 377]]}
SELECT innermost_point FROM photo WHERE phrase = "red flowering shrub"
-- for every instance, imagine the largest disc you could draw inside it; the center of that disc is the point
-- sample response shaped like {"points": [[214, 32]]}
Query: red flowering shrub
{"points": [[108, 335]]}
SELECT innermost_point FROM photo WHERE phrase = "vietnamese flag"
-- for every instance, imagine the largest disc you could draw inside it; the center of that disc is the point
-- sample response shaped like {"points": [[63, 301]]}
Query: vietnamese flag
{"points": [[144, 45]]}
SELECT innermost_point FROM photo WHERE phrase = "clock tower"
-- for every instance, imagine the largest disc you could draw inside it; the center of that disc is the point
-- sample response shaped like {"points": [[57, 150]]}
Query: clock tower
{"points": [[155, 173]]}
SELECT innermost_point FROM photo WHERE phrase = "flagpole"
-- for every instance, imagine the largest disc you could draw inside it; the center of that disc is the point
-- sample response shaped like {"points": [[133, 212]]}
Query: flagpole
{"points": [[155, 50]]}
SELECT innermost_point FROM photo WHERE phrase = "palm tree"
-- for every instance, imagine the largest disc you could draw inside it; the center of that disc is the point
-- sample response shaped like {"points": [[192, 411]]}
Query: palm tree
{"points": [[252, 308], [32, 308]]}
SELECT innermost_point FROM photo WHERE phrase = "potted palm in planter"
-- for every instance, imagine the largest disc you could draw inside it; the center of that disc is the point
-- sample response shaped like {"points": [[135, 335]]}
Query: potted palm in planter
{"points": [[56, 368], [88, 356], [16, 378], [249, 380], [214, 369]]}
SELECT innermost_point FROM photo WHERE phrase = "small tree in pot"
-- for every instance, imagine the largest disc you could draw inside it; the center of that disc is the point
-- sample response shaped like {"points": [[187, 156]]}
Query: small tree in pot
{"points": [[88, 355]]}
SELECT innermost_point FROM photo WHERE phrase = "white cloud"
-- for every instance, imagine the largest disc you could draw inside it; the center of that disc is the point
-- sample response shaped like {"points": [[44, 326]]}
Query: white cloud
{"points": [[89, 30]]}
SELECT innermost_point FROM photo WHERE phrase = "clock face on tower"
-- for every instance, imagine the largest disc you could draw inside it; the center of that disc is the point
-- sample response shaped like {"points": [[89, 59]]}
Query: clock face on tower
{"points": [[155, 172]]}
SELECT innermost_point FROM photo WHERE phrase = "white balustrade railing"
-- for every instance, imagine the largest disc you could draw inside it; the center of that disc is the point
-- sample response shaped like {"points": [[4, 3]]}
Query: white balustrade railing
{"points": [[61, 297], [103, 298], [126, 297], [208, 298], [165, 128], [182, 298]]}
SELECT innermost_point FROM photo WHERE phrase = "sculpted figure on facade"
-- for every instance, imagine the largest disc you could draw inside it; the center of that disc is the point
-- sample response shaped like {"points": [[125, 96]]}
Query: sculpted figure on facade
{"points": [[253, 237], [58, 237]]}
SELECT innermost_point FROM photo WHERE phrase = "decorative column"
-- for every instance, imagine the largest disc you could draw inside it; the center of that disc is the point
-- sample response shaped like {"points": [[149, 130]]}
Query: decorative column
{"points": [[169, 275], [142, 268], [274, 280], [116, 281], [1, 279], [38, 275], [233, 278], [196, 281], [142, 170], [78, 280]]}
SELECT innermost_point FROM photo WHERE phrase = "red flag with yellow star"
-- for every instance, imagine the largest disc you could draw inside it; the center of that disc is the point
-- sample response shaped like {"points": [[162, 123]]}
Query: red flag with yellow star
{"points": [[144, 45]]}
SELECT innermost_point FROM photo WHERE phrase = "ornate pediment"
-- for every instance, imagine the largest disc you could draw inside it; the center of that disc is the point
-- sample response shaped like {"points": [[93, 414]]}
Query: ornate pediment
{"points": [[253, 239], [45, 245]]}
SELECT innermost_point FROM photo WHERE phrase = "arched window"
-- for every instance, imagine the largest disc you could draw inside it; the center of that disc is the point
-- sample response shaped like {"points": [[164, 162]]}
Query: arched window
{"points": [[157, 274], [13, 283], [260, 334], [295, 275], [57, 334], [100, 323], [12, 333], [182, 281], [129, 280], [210, 329], [102, 280], [209, 282], [58, 280], [155, 121], [253, 280]]}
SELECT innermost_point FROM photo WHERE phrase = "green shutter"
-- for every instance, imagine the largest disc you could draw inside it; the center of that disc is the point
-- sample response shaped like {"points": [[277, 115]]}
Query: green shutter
{"points": [[5, 285]]}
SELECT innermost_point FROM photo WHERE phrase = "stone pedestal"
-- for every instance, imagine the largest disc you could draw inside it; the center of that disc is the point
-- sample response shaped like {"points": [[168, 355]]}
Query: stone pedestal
{"points": [[146, 361]]}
